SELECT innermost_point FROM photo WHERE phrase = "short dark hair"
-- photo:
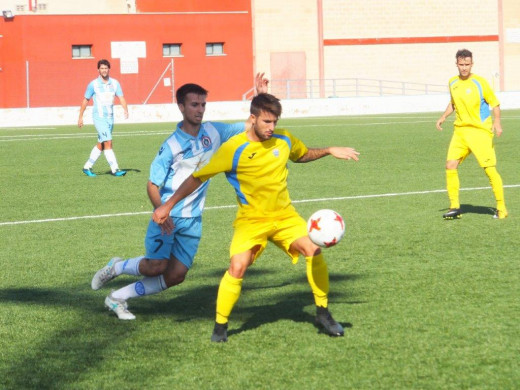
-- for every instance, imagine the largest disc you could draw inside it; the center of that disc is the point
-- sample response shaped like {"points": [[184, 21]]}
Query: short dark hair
{"points": [[463, 53], [103, 62], [266, 102], [181, 93]]}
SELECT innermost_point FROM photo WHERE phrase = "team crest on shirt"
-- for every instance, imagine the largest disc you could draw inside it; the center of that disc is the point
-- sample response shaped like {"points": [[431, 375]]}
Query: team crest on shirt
{"points": [[206, 142], [276, 153], [468, 91]]}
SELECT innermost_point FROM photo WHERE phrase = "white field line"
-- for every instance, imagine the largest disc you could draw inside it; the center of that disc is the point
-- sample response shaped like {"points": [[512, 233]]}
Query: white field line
{"points": [[138, 133], [42, 137], [130, 214]]}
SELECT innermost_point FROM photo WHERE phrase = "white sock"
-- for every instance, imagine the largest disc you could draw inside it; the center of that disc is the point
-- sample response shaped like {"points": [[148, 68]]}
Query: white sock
{"points": [[146, 286], [129, 266], [94, 155], [111, 159]]}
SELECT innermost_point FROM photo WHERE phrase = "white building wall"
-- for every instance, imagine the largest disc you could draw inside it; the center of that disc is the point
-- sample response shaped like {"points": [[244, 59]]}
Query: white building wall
{"points": [[286, 26], [239, 110], [429, 63]]}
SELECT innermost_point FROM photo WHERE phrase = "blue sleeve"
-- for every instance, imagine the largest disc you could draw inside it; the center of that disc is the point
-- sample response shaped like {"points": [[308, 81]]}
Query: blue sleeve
{"points": [[90, 90], [119, 91], [161, 165], [228, 130]]}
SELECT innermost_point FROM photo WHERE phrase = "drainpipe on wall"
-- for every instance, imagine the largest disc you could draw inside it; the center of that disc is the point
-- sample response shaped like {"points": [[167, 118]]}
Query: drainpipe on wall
{"points": [[33, 5], [320, 48]]}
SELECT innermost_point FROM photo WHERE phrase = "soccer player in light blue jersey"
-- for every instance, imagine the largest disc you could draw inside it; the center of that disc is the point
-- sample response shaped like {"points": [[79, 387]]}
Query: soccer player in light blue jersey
{"points": [[169, 256], [103, 89]]}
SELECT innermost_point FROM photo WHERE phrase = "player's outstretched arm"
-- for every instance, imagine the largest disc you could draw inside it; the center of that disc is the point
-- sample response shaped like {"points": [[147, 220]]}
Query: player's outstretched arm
{"points": [[161, 215], [342, 152]]}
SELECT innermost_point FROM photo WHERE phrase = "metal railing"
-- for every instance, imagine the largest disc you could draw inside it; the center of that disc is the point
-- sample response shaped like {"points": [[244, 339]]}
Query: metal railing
{"points": [[351, 87]]}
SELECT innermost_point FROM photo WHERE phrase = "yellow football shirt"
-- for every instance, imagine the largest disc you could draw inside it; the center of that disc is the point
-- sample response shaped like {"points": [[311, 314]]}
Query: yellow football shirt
{"points": [[257, 171], [472, 99]]}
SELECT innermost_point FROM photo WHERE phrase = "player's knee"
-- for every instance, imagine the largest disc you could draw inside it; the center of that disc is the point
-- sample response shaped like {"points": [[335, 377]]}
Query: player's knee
{"points": [[237, 269], [174, 277], [149, 267], [306, 247], [452, 164], [311, 250]]}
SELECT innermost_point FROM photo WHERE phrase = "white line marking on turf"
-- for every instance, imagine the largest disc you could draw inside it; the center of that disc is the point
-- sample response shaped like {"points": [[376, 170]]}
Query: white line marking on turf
{"points": [[234, 206], [44, 137], [27, 128]]}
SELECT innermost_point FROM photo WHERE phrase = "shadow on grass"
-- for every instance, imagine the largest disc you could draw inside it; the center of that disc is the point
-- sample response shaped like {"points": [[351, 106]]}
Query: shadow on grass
{"points": [[67, 352], [128, 170], [62, 353], [470, 209], [292, 308]]}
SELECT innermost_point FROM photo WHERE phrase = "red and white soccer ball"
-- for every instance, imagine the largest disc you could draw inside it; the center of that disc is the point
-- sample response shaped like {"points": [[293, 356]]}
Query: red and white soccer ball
{"points": [[326, 227]]}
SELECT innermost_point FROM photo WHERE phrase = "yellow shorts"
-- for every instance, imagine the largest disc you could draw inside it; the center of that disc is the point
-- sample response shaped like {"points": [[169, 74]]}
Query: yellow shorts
{"points": [[469, 140], [282, 231]]}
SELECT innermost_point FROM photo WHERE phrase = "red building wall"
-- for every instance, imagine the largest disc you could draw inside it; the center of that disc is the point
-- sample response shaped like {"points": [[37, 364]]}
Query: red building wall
{"points": [[56, 79]]}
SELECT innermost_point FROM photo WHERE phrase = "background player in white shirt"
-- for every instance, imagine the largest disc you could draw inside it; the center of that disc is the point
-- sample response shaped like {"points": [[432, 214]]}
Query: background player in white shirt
{"points": [[103, 89]]}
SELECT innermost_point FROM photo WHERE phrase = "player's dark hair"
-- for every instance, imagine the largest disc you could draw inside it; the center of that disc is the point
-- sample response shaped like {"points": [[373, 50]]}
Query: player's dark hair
{"points": [[266, 102], [181, 93], [103, 62], [463, 53]]}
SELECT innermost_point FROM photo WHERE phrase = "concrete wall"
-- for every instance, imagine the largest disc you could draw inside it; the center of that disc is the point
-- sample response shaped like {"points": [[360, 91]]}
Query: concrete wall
{"points": [[511, 44], [430, 58], [397, 40], [238, 110]]}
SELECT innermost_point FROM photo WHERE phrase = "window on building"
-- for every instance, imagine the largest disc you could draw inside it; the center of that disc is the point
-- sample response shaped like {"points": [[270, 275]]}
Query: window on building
{"points": [[20, 7], [215, 49], [81, 51], [42, 7], [171, 49]]}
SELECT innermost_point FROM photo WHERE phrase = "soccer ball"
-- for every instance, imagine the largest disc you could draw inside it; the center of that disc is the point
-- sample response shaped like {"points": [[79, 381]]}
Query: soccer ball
{"points": [[325, 228]]}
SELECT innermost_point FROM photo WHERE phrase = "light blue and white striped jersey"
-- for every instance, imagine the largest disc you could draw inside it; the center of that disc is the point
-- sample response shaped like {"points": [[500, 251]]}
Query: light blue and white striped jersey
{"points": [[181, 155], [104, 94]]}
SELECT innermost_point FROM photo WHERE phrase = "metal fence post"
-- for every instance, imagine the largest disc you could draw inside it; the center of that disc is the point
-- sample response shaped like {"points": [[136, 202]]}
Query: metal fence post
{"points": [[173, 83]]}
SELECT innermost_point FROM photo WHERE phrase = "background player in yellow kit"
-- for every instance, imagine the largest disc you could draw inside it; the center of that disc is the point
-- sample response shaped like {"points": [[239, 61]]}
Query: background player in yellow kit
{"points": [[471, 97], [255, 163]]}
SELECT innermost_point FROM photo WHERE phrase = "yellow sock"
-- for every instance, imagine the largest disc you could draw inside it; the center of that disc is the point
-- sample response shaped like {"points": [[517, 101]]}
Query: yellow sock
{"points": [[496, 185], [318, 277], [453, 186], [228, 294]]}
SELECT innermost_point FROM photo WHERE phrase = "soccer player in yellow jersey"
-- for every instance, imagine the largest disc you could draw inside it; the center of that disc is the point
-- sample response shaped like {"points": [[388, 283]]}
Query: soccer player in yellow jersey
{"points": [[255, 163], [474, 129]]}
